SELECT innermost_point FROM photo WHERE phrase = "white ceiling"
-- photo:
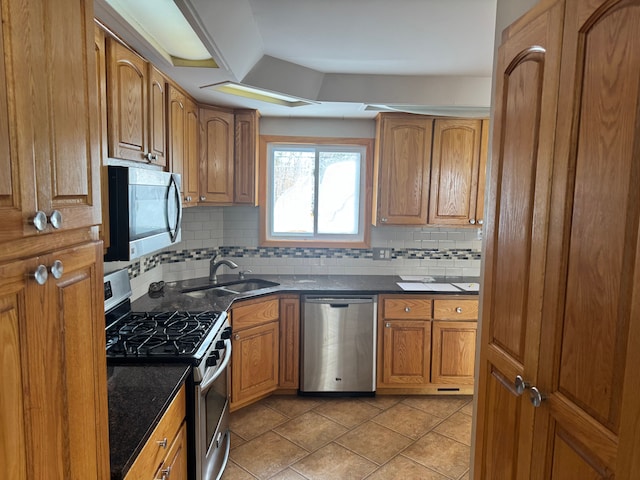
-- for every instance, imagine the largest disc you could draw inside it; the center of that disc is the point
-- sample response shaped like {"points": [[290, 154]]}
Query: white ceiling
{"points": [[425, 56]]}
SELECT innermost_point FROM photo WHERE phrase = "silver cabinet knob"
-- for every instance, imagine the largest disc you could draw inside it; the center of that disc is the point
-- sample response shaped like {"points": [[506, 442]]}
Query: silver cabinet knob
{"points": [[458, 309], [165, 473], [55, 219], [520, 385], [39, 221], [536, 397], [472, 221], [407, 309], [387, 325], [154, 157], [481, 222], [57, 269], [202, 198], [148, 157], [383, 219], [162, 443], [188, 199], [41, 275]]}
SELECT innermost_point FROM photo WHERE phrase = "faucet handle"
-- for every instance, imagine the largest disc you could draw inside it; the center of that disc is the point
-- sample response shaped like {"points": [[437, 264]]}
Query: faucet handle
{"points": [[242, 273]]}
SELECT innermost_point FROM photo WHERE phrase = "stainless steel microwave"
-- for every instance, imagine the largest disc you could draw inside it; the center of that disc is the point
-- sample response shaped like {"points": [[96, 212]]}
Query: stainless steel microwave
{"points": [[145, 212]]}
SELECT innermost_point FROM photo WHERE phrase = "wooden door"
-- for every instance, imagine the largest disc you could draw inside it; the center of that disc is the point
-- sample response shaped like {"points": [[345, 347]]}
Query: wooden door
{"points": [[51, 131], [157, 117], [455, 166], [254, 369], [176, 115], [216, 156], [402, 169], [127, 84], [54, 397], [482, 172], [191, 170], [516, 236], [587, 427], [246, 157]]}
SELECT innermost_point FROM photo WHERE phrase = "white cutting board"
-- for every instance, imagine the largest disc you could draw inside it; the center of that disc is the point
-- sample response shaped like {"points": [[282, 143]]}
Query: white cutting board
{"points": [[427, 287], [468, 287]]}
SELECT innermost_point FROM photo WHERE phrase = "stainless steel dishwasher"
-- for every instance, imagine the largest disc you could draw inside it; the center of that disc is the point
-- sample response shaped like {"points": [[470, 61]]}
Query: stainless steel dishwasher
{"points": [[338, 345]]}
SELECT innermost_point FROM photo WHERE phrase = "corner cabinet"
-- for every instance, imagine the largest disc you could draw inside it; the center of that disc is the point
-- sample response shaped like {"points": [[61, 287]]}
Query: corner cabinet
{"points": [[53, 366], [402, 169], [458, 164], [216, 156], [246, 157], [136, 107], [426, 345], [255, 350], [49, 137]]}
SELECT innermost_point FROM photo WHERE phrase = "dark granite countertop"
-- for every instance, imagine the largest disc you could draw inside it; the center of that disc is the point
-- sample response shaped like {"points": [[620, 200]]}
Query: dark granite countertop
{"points": [[172, 297], [138, 397]]}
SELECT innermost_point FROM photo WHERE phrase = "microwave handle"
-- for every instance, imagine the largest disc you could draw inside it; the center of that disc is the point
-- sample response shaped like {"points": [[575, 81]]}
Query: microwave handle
{"points": [[173, 233]]}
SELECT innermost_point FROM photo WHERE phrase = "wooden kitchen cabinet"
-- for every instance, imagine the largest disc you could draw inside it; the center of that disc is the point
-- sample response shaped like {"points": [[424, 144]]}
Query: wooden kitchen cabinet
{"points": [[454, 341], [255, 350], [246, 157], [458, 162], [49, 155], [136, 107], [191, 163], [165, 452], [53, 404], [404, 341], [402, 167], [216, 156], [289, 342]]}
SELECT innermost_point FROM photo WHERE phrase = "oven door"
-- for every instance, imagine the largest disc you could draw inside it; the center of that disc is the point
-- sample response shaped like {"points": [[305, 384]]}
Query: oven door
{"points": [[212, 420]]}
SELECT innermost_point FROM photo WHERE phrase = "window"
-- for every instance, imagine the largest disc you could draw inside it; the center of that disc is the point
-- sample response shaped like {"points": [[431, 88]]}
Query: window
{"points": [[315, 192]]}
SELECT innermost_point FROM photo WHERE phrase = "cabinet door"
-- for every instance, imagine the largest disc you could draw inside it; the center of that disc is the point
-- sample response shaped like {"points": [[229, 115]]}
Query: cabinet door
{"points": [[516, 238], [404, 353], [54, 398], [289, 342], [454, 350], [127, 84], [402, 169], [175, 464], [254, 366], [454, 171], [157, 117], [191, 168], [52, 156], [246, 157], [216, 156], [176, 115]]}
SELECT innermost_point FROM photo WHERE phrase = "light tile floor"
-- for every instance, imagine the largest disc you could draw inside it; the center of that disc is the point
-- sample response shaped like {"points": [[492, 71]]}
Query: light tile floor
{"points": [[381, 438]]}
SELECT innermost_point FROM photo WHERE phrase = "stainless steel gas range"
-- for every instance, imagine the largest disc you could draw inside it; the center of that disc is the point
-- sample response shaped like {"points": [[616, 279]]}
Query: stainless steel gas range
{"points": [[200, 339]]}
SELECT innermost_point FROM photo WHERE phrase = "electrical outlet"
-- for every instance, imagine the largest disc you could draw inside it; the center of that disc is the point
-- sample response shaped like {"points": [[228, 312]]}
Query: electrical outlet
{"points": [[479, 234], [381, 253]]}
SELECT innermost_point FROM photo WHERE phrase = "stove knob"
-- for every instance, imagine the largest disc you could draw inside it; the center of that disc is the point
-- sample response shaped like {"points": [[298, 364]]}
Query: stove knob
{"points": [[226, 333], [220, 344], [212, 360]]}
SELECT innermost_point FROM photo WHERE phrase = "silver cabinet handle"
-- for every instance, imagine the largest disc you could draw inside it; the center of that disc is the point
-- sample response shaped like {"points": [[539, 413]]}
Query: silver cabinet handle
{"points": [[481, 222], [383, 219], [41, 275], [458, 309], [472, 221], [202, 198], [536, 397], [55, 219], [148, 157], [154, 157], [387, 325], [57, 269], [39, 221], [188, 199], [165, 473], [520, 385], [162, 443], [407, 309]]}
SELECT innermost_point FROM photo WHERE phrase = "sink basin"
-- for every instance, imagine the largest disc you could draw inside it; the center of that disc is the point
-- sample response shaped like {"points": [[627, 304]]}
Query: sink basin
{"points": [[229, 288]]}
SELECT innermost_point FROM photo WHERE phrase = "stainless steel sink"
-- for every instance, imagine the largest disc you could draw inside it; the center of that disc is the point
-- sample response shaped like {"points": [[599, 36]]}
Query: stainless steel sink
{"points": [[229, 288]]}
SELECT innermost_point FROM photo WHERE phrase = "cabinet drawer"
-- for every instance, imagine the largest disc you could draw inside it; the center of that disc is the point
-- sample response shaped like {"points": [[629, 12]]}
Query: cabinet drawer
{"points": [[406, 306], [254, 313], [455, 309], [155, 450]]}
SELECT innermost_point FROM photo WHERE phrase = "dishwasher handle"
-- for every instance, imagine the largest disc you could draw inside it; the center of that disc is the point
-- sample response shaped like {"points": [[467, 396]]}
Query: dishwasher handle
{"points": [[339, 302]]}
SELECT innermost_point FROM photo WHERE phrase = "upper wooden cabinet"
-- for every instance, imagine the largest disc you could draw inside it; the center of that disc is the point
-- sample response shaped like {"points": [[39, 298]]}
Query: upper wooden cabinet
{"points": [[456, 164], [402, 169], [246, 157], [216, 156], [49, 122], [136, 107], [191, 160]]}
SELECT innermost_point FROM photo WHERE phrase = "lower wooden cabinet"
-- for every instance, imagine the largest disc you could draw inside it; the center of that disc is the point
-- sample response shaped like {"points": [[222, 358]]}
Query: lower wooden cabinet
{"points": [[164, 456], [426, 344], [255, 350], [289, 378]]}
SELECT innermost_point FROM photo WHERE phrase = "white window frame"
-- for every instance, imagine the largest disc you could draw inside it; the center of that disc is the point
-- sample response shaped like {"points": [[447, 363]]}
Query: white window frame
{"points": [[362, 239]]}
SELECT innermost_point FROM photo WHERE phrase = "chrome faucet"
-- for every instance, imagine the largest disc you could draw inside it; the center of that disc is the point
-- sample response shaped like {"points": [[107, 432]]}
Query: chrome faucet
{"points": [[213, 267]]}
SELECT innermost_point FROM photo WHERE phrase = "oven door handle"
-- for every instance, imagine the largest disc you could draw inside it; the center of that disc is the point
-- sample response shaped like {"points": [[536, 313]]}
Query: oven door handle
{"points": [[207, 381]]}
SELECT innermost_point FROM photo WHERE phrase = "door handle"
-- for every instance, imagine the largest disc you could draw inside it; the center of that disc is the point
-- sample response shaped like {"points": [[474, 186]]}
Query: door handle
{"points": [[520, 385], [536, 397]]}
